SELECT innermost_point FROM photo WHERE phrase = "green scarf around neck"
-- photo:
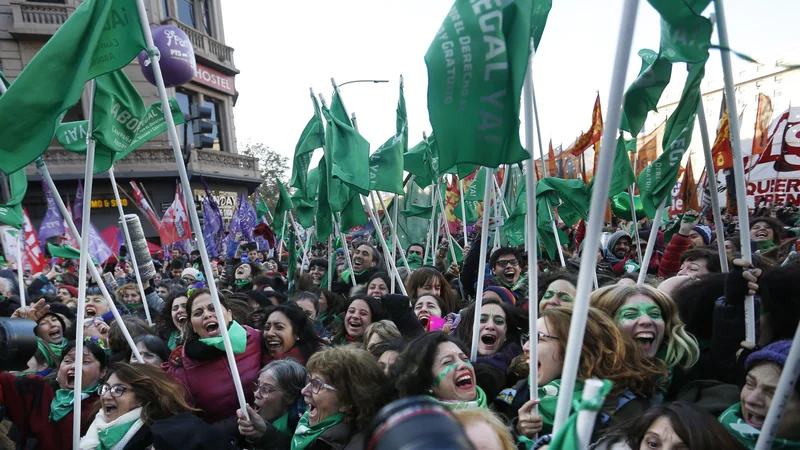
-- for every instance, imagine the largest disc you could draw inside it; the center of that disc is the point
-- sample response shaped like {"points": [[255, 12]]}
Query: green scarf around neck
{"points": [[241, 283], [62, 404], [56, 349], [172, 342], [745, 433], [414, 261], [346, 273], [282, 425], [131, 307], [238, 339], [479, 402], [306, 434], [548, 401], [112, 435]]}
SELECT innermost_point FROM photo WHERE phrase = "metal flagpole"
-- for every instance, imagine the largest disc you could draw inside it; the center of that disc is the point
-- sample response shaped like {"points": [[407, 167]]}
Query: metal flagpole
{"points": [[473, 355], [738, 162], [596, 215], [395, 239], [127, 237], [711, 176], [635, 223], [189, 200], [497, 214], [450, 241], [539, 131], [463, 211], [331, 257], [555, 232], [651, 243], [20, 265]]}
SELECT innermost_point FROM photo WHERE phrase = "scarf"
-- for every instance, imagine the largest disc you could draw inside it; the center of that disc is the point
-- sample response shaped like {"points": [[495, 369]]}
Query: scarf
{"points": [[237, 335], [131, 307], [306, 434], [241, 284], [49, 349], [104, 435], [548, 401], [745, 433], [414, 261], [172, 342], [282, 425], [294, 354], [346, 273], [479, 402], [62, 404]]}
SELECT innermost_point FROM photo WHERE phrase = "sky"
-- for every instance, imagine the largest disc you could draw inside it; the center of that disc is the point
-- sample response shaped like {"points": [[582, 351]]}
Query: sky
{"points": [[283, 48]]}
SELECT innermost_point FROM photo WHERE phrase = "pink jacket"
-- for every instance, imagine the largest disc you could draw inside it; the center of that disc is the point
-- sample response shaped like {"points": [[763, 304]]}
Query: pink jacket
{"points": [[210, 384]]}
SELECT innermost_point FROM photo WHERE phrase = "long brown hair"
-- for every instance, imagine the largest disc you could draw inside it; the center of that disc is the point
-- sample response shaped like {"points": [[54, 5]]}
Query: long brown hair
{"points": [[606, 353], [161, 397], [421, 276]]}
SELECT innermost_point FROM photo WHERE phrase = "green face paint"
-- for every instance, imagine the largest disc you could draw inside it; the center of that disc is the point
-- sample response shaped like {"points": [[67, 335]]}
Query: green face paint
{"points": [[447, 369], [633, 312], [562, 296], [497, 319]]}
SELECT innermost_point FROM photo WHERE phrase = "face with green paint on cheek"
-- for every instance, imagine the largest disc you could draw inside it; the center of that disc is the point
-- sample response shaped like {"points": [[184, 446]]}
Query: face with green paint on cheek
{"points": [[558, 293], [453, 375], [492, 333], [641, 319]]}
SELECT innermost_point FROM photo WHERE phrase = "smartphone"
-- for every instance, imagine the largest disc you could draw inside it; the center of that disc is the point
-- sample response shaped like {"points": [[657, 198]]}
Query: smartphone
{"points": [[108, 278]]}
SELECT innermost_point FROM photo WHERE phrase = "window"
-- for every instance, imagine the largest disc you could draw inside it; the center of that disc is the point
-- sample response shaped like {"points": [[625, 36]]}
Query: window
{"points": [[185, 101], [165, 6], [186, 12], [216, 119], [207, 17]]}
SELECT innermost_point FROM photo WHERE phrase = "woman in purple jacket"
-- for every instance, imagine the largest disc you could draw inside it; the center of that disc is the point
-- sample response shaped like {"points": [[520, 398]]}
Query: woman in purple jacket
{"points": [[201, 365]]}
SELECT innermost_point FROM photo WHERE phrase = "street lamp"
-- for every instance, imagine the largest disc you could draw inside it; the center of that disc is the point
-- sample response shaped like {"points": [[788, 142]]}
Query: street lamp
{"points": [[364, 81]]}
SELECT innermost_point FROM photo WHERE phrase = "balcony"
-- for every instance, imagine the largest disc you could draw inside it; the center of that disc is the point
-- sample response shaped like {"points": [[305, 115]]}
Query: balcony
{"points": [[208, 50], [37, 20], [158, 162]]}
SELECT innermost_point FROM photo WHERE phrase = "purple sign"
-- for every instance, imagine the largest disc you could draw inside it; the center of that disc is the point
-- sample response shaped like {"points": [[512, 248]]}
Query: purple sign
{"points": [[177, 61]]}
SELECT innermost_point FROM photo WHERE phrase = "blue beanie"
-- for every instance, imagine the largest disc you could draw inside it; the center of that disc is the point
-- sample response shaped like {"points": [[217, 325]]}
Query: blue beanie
{"points": [[777, 353], [705, 232]]}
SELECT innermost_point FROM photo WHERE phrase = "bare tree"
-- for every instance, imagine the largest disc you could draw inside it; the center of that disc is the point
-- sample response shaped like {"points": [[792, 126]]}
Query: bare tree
{"points": [[271, 166]]}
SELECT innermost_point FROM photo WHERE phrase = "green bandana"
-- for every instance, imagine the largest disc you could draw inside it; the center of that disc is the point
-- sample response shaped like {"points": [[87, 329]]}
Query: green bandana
{"points": [[241, 283], [56, 349], [479, 402], [548, 400], [282, 425], [238, 339], [765, 245], [414, 261], [346, 274], [567, 436], [732, 420], [133, 306], [111, 435], [306, 434], [634, 312], [62, 404], [172, 342]]}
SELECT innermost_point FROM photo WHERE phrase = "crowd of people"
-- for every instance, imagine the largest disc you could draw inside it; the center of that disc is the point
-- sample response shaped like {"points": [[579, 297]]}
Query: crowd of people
{"points": [[320, 354]]}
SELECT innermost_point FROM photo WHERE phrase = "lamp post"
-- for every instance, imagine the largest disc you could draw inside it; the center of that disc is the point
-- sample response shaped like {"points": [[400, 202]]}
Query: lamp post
{"points": [[363, 81]]}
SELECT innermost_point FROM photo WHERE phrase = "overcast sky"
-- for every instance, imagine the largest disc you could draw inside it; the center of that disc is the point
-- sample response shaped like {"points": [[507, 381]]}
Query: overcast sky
{"points": [[284, 47]]}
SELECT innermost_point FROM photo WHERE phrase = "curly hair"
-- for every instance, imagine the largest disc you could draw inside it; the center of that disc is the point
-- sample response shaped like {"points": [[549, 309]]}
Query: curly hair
{"points": [[165, 325], [303, 328], [161, 397], [682, 349], [413, 369], [422, 276], [606, 353], [516, 322], [360, 382], [377, 313]]}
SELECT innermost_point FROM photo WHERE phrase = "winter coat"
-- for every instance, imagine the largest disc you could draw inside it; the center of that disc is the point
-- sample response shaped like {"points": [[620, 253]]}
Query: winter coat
{"points": [[671, 260], [655, 259], [502, 359], [728, 331], [338, 437], [209, 382]]}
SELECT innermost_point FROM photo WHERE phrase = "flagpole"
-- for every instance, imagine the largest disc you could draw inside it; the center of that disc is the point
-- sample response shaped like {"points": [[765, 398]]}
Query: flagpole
{"points": [[539, 131], [283, 234], [446, 227], [555, 232], [711, 176], [463, 211], [393, 229], [651, 243], [635, 222], [596, 215], [500, 194], [331, 257], [530, 232], [127, 237], [481, 269], [189, 200], [20, 265], [497, 214], [738, 162], [345, 246]]}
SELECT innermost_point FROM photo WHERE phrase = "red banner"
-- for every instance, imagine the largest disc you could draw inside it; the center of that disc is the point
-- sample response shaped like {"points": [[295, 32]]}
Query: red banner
{"points": [[763, 117], [33, 256], [592, 136], [175, 225], [144, 206]]}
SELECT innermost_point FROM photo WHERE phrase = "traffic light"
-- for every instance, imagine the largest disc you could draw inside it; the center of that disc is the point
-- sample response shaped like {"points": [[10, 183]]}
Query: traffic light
{"points": [[201, 128]]}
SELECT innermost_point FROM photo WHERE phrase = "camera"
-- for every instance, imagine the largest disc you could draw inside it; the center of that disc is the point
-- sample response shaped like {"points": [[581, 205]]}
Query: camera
{"points": [[17, 343], [415, 423]]}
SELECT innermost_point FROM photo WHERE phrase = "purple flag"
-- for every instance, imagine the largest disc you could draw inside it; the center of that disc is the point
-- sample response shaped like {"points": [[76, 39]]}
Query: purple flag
{"points": [[212, 224], [53, 223], [234, 233], [77, 207], [97, 245], [247, 218]]}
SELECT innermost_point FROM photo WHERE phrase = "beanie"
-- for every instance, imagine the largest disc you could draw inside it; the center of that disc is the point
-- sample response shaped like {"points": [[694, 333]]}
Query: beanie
{"points": [[73, 291], [777, 352], [192, 272], [705, 232], [504, 294]]}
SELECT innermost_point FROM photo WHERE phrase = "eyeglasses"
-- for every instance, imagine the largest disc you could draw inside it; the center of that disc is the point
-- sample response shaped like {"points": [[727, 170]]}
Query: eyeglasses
{"points": [[527, 337], [317, 385], [506, 262], [263, 389], [116, 390]]}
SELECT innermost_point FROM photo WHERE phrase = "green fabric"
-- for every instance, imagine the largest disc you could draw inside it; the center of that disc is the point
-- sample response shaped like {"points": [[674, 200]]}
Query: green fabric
{"points": [[347, 162], [766, 245], [414, 261], [11, 211], [110, 436], [401, 121], [471, 213], [305, 209], [353, 214], [423, 212], [622, 175], [172, 342], [312, 138], [324, 218], [572, 199], [548, 401], [99, 37], [514, 226], [305, 434], [386, 166], [418, 161], [745, 433], [643, 95], [457, 250], [241, 283], [62, 403], [284, 204], [65, 251], [567, 436], [291, 263], [479, 402], [236, 333], [282, 425], [476, 189], [476, 118], [56, 349], [261, 207], [346, 273]]}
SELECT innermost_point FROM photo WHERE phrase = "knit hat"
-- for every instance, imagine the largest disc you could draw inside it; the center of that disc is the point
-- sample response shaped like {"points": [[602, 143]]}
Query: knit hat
{"points": [[705, 232], [73, 291], [504, 294], [777, 352], [192, 272]]}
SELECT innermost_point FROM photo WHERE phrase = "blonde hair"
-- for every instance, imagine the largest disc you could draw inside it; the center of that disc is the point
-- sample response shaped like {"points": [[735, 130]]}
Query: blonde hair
{"points": [[128, 287], [682, 349], [386, 329], [470, 415]]}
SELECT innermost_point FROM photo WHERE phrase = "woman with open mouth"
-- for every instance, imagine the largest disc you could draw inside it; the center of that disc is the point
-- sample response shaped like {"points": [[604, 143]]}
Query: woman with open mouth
{"points": [[437, 365], [95, 305], [605, 354], [288, 333], [499, 333], [428, 280], [746, 419], [379, 285], [201, 364], [174, 319], [340, 403], [556, 288], [243, 276], [427, 306], [767, 232], [650, 318], [128, 297], [132, 398], [50, 338], [360, 313], [277, 407]]}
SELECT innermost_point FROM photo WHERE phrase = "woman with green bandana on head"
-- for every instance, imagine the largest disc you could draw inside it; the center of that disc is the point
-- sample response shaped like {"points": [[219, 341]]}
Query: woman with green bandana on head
{"points": [[437, 365], [650, 318], [201, 364], [605, 354]]}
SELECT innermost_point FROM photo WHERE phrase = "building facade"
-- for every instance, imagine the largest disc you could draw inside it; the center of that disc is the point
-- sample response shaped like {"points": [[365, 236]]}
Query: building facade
{"points": [[25, 26]]}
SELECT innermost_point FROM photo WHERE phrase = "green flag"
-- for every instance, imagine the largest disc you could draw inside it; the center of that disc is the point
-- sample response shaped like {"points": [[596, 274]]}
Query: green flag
{"points": [[418, 161], [423, 212], [65, 251], [514, 226], [4, 80], [284, 203], [337, 109], [11, 215], [472, 213], [457, 250], [11, 211], [386, 166], [476, 65], [401, 123], [99, 37], [312, 138], [643, 95], [353, 215], [570, 197], [477, 188], [292, 262], [622, 176], [630, 145], [261, 207], [347, 161], [567, 436], [305, 209], [323, 214]]}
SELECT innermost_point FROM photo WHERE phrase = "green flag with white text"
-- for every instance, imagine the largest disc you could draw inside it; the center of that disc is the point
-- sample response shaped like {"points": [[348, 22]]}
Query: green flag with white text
{"points": [[477, 188], [386, 166], [101, 36], [476, 65]]}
